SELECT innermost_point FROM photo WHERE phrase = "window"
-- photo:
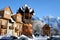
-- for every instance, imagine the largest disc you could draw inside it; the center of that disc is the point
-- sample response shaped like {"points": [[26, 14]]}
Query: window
{"points": [[25, 27], [10, 27], [7, 12], [1, 15], [3, 27]]}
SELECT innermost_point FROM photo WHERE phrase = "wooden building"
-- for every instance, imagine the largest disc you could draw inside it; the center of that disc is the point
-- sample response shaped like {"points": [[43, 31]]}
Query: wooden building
{"points": [[27, 14], [16, 28], [5, 15], [18, 24], [46, 30], [27, 29]]}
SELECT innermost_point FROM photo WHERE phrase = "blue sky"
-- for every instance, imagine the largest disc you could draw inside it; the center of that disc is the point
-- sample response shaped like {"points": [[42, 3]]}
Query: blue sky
{"points": [[41, 7]]}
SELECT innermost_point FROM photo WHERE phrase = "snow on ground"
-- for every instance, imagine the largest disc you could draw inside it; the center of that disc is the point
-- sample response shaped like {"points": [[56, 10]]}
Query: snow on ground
{"points": [[40, 38], [34, 38], [1, 37]]}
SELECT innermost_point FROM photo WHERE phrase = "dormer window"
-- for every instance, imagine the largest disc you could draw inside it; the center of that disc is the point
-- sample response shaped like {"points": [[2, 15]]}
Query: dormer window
{"points": [[1, 15]]}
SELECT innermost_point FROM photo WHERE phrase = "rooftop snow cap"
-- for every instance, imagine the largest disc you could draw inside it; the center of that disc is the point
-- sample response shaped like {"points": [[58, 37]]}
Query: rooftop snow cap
{"points": [[26, 9]]}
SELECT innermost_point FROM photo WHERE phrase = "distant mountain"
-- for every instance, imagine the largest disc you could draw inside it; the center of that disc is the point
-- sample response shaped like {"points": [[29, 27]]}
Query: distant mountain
{"points": [[52, 21], [35, 18]]}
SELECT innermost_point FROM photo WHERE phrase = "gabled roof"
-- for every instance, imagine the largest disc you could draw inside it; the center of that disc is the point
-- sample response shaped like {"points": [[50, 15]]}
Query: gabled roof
{"points": [[25, 9], [5, 8], [9, 8], [46, 25]]}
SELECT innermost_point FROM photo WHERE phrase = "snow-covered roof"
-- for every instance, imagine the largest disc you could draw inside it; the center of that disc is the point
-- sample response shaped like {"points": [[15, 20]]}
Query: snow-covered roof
{"points": [[26, 8], [12, 20]]}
